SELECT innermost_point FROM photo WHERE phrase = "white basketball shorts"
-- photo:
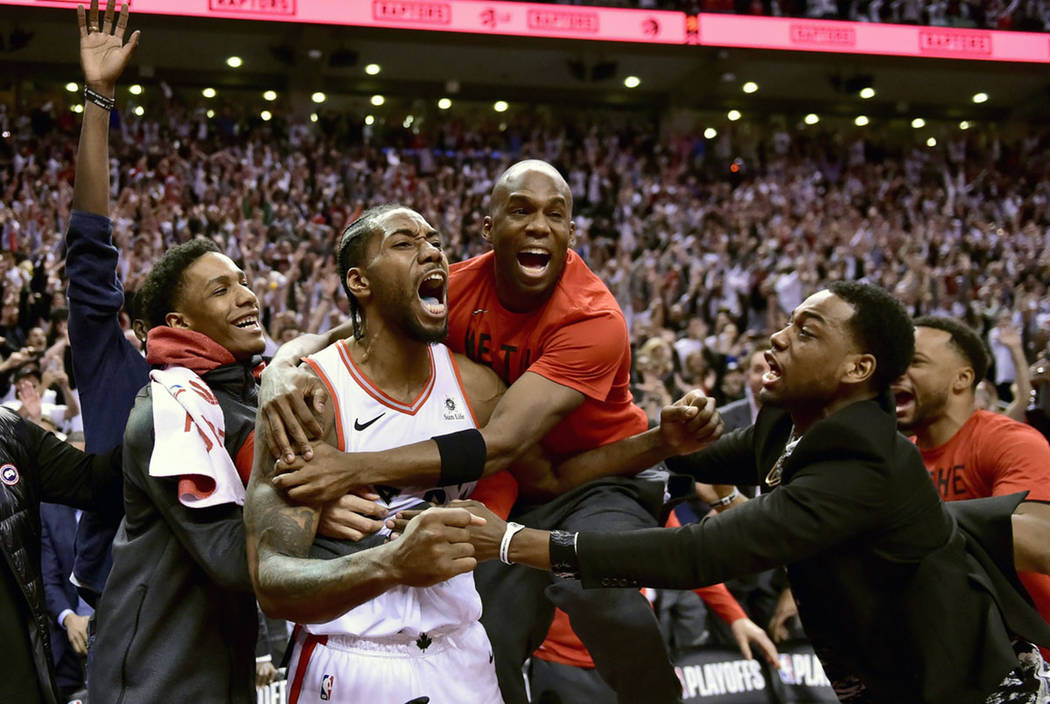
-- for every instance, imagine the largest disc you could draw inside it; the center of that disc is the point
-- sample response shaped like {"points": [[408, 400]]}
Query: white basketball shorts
{"points": [[454, 668]]}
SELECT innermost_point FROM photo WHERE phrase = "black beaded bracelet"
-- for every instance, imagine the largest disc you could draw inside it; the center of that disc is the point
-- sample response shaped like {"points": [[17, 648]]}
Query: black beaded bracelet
{"points": [[564, 561], [100, 100]]}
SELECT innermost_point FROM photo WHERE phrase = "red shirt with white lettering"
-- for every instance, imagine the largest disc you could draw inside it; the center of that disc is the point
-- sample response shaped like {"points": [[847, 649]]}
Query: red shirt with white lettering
{"points": [[992, 455], [578, 338]]}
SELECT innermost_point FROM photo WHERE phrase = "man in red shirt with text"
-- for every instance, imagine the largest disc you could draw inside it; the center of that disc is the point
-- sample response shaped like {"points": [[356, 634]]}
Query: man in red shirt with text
{"points": [[971, 453], [533, 312]]}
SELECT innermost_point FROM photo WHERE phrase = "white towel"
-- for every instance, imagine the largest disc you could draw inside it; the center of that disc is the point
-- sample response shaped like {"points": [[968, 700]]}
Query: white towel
{"points": [[189, 429]]}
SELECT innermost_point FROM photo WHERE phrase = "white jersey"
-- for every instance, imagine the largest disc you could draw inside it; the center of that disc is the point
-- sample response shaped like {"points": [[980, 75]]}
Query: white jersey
{"points": [[368, 420]]}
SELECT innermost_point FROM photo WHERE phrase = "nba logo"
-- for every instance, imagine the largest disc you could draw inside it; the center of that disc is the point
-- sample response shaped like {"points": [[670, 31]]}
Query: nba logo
{"points": [[327, 683]]}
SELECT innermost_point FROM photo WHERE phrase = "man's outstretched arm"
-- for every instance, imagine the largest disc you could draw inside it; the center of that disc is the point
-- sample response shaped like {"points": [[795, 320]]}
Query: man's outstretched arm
{"points": [[526, 412]]}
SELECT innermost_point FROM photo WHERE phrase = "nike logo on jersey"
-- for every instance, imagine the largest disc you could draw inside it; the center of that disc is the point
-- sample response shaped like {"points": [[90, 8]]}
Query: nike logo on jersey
{"points": [[358, 425]]}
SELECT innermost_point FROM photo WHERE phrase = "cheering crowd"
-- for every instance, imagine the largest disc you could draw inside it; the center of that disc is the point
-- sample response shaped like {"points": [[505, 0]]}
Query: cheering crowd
{"points": [[960, 230], [232, 237]]}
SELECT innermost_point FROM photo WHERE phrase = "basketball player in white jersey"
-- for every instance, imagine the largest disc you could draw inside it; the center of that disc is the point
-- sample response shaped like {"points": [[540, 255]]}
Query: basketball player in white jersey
{"points": [[373, 629]]}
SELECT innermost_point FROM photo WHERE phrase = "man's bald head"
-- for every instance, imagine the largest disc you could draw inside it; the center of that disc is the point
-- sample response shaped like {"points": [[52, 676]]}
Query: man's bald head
{"points": [[513, 177]]}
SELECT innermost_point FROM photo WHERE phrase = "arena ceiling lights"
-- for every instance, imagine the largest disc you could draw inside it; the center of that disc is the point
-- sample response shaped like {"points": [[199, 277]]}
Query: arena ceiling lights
{"points": [[980, 98], [373, 69], [609, 24]]}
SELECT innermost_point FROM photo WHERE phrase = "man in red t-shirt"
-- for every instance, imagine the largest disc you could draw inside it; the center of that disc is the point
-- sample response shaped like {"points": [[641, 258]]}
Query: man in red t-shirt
{"points": [[971, 453], [534, 313]]}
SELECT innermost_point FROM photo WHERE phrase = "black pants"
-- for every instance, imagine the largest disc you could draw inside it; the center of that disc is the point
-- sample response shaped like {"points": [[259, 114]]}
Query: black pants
{"points": [[618, 626]]}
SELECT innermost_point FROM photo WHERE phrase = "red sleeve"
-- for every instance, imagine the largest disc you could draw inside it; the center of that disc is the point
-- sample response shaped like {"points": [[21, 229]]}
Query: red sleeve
{"points": [[585, 355], [716, 596], [498, 492], [1021, 461], [719, 600]]}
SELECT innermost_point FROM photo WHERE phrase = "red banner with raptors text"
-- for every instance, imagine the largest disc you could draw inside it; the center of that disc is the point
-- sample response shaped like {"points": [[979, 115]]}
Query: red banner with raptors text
{"points": [[611, 24]]}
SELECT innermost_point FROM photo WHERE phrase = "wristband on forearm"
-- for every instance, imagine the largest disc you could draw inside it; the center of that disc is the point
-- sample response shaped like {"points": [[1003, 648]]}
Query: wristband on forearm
{"points": [[100, 100], [726, 500], [564, 561], [504, 545], [463, 456]]}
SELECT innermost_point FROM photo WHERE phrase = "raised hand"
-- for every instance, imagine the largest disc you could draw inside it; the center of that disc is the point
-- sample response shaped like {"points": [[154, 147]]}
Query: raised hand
{"points": [[103, 52]]}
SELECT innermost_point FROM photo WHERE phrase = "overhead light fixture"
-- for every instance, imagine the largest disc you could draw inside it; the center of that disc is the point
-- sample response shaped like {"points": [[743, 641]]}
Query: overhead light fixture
{"points": [[931, 142], [208, 92], [867, 93], [135, 89], [234, 62], [860, 120], [980, 98], [139, 110], [210, 114], [632, 82], [318, 97], [500, 106], [373, 69], [370, 119], [750, 87], [72, 87], [811, 119], [78, 108], [918, 123], [444, 104], [266, 115], [710, 133], [733, 115], [377, 100], [408, 121], [270, 95], [313, 117], [964, 125]]}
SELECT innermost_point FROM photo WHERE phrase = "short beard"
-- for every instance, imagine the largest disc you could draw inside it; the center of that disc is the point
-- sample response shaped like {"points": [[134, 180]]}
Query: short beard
{"points": [[420, 334]]}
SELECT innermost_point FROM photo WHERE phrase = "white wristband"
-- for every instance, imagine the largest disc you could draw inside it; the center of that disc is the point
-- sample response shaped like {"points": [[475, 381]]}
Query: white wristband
{"points": [[726, 500], [504, 545]]}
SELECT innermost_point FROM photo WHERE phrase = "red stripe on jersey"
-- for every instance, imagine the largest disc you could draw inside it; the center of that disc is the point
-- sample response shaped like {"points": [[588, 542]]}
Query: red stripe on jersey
{"points": [[341, 441], [463, 389], [377, 393]]}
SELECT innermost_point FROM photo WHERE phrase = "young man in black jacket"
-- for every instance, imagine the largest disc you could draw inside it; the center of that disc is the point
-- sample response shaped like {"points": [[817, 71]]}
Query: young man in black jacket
{"points": [[900, 605]]}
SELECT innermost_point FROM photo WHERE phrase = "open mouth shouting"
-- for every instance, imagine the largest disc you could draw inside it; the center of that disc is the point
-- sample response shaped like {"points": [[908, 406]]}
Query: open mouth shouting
{"points": [[534, 262], [904, 399], [773, 374], [432, 292]]}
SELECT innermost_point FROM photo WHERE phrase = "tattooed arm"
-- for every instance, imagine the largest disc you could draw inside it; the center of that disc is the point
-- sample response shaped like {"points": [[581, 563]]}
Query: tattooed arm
{"points": [[291, 586]]}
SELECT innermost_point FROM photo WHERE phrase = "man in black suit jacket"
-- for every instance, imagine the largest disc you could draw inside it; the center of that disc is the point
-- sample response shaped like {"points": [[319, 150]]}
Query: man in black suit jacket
{"points": [[900, 605], [58, 527]]}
